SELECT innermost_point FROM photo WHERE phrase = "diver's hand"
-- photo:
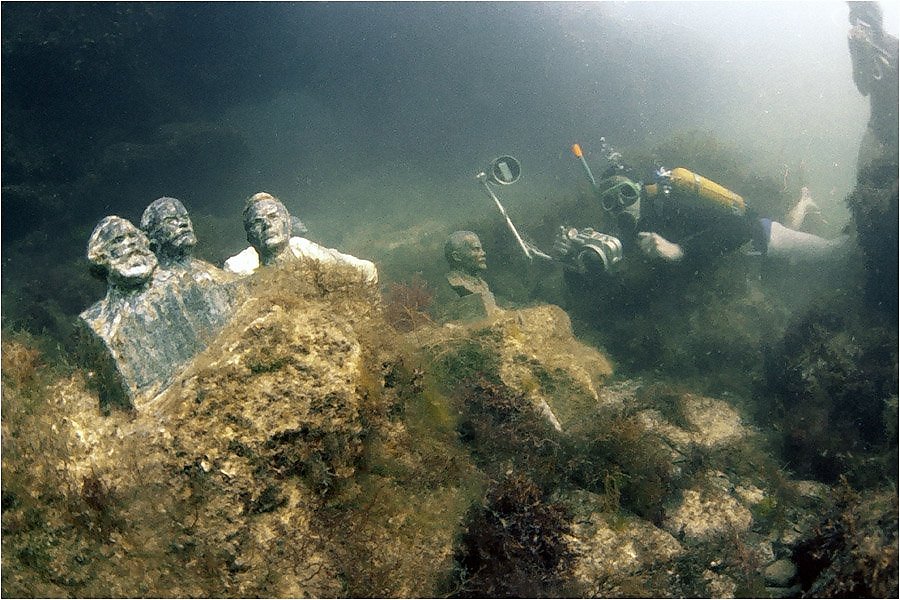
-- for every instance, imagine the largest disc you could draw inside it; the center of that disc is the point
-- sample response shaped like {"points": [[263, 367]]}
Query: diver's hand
{"points": [[656, 246]]}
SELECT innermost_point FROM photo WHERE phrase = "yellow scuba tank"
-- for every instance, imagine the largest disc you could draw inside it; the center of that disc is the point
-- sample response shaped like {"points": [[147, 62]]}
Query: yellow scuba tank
{"points": [[709, 193]]}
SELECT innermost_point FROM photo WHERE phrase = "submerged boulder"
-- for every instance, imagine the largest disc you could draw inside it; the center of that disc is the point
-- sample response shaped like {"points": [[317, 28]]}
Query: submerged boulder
{"points": [[221, 475], [612, 551], [532, 351]]}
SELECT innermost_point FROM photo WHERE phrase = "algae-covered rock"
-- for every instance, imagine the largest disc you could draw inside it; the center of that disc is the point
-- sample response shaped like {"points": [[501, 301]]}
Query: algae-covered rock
{"points": [[541, 357], [780, 573], [852, 552], [704, 422], [280, 391], [532, 351], [313, 451], [835, 377], [610, 549], [224, 472], [300, 455], [707, 511]]}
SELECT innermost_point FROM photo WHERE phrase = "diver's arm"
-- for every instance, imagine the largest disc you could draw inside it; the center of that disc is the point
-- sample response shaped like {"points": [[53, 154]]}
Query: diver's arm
{"points": [[648, 217], [656, 246]]}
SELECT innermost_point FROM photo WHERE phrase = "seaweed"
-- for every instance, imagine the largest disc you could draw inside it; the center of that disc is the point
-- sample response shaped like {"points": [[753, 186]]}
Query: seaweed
{"points": [[615, 455], [852, 552], [514, 545], [833, 374], [502, 427], [407, 304], [467, 359]]}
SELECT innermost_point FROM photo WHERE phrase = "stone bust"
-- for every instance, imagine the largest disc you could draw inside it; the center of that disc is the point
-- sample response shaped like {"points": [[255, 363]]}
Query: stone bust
{"points": [[168, 226], [268, 226], [152, 320], [121, 252], [466, 258]]}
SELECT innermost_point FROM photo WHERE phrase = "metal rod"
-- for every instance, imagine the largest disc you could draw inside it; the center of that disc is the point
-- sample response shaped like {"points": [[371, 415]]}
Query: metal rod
{"points": [[483, 179], [587, 170]]}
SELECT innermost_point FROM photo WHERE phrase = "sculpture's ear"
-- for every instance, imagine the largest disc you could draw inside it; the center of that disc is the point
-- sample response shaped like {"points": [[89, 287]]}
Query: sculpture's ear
{"points": [[456, 256]]}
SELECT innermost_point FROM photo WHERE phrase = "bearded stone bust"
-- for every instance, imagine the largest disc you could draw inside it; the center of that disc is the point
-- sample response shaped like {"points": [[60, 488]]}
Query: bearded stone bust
{"points": [[157, 313]]}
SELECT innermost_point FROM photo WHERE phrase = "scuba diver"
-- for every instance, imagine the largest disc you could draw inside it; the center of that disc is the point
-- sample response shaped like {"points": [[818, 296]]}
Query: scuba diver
{"points": [[681, 214], [677, 215]]}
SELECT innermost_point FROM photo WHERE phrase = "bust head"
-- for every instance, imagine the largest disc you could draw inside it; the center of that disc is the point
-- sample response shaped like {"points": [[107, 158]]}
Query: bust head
{"points": [[464, 252], [169, 228], [268, 225], [122, 252], [868, 12]]}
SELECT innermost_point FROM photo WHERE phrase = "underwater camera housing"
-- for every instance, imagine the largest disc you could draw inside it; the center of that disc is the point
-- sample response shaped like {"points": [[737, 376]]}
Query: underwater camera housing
{"points": [[587, 251]]}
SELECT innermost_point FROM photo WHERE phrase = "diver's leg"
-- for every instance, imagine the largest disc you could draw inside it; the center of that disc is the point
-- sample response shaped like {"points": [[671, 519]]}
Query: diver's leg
{"points": [[798, 246], [806, 205]]}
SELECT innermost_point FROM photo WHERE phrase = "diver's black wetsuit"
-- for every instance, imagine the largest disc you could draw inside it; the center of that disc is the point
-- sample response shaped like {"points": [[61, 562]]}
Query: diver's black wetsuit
{"points": [[698, 229]]}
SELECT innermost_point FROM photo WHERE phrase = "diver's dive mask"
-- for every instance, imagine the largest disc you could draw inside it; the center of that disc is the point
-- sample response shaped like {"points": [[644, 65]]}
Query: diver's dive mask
{"points": [[618, 193]]}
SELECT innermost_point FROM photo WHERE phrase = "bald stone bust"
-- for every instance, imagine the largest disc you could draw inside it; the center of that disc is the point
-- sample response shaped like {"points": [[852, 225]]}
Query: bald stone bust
{"points": [[466, 258], [170, 231]]}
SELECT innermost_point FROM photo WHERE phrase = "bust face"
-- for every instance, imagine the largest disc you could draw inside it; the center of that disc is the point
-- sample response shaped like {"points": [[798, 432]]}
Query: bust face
{"points": [[173, 232], [469, 255], [268, 227], [125, 252]]}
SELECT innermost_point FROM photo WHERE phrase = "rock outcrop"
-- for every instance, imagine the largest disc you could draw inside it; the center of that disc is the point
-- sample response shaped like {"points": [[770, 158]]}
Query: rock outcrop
{"points": [[313, 451], [536, 354]]}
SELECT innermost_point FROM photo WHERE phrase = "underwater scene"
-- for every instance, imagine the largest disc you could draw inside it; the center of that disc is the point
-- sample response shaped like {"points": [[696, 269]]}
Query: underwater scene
{"points": [[449, 299]]}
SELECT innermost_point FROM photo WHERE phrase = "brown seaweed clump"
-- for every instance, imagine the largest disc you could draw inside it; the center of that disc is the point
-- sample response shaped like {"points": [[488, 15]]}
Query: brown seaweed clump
{"points": [[515, 544], [835, 376], [406, 305], [501, 427], [852, 553]]}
